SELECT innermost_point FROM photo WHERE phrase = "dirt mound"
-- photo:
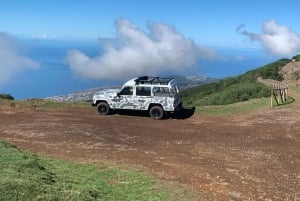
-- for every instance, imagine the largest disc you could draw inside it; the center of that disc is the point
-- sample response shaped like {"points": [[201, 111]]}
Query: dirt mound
{"points": [[291, 71]]}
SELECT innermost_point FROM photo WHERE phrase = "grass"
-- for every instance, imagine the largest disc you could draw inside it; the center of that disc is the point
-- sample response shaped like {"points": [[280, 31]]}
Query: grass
{"points": [[25, 176], [252, 105], [41, 103], [235, 108], [224, 92], [44, 104], [295, 88], [288, 101]]}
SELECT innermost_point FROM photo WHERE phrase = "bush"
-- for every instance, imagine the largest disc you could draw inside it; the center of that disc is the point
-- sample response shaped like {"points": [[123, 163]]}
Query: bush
{"points": [[236, 93], [271, 71], [6, 96], [297, 57]]}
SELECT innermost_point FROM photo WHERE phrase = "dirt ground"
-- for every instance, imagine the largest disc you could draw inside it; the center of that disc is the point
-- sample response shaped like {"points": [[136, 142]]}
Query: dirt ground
{"points": [[254, 156]]}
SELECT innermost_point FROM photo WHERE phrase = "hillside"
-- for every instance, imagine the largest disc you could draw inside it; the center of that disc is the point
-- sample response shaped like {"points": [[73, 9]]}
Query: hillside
{"points": [[237, 89], [291, 71]]}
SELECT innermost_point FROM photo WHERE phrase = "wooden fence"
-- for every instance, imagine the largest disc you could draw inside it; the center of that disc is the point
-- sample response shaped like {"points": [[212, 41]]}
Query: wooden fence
{"points": [[279, 92]]}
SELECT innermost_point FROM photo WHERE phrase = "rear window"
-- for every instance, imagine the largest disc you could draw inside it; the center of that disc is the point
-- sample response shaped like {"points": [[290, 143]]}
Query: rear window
{"points": [[161, 91], [174, 91]]}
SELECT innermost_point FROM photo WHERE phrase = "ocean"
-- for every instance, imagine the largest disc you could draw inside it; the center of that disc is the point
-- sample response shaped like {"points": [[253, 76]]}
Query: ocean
{"points": [[54, 76]]}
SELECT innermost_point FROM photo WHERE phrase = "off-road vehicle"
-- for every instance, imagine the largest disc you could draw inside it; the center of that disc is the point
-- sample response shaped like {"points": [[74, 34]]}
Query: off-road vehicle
{"points": [[158, 96]]}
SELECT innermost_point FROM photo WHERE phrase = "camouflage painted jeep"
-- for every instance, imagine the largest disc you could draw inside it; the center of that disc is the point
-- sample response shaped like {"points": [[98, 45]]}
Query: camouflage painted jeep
{"points": [[156, 95]]}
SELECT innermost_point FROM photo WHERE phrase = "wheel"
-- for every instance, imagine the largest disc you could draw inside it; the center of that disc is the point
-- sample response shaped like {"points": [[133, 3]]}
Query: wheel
{"points": [[156, 112], [103, 108]]}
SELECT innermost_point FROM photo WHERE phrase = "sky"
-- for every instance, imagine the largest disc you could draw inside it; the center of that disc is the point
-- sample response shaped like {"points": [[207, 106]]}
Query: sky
{"points": [[138, 37]]}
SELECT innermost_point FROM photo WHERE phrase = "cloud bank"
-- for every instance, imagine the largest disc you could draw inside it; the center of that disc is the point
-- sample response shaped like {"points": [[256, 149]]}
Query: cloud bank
{"points": [[137, 53], [277, 39], [11, 62]]}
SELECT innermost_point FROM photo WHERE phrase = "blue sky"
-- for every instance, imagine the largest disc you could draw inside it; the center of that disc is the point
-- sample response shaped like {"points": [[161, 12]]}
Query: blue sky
{"points": [[130, 29], [211, 22]]}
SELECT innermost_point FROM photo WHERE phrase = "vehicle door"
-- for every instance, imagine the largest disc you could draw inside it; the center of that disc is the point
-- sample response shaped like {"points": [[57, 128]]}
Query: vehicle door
{"points": [[125, 98], [143, 97]]}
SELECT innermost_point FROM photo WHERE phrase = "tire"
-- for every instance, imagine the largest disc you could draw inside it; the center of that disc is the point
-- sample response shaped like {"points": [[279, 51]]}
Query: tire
{"points": [[156, 112], [103, 108]]}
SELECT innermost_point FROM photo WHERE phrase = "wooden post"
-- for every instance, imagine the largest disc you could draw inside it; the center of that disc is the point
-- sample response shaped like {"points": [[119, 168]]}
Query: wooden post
{"points": [[271, 99], [278, 96], [280, 93], [275, 95], [286, 92]]}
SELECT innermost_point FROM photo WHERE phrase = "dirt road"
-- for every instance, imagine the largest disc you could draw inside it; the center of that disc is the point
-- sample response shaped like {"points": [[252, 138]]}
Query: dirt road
{"points": [[245, 157]]}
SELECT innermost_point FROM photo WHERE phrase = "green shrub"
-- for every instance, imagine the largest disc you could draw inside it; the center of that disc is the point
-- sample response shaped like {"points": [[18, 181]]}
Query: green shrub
{"points": [[296, 75], [237, 93], [297, 57], [271, 71], [6, 96]]}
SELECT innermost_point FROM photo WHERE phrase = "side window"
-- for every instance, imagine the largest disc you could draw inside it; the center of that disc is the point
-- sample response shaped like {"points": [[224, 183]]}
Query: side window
{"points": [[126, 91], [161, 91], [143, 91]]}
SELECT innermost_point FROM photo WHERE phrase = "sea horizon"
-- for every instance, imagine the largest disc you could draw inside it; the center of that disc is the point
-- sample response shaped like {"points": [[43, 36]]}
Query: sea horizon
{"points": [[54, 77]]}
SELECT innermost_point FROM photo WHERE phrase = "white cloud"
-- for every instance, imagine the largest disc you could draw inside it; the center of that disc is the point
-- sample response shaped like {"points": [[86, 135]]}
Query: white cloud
{"points": [[239, 58], [277, 39], [45, 36], [138, 53], [11, 62]]}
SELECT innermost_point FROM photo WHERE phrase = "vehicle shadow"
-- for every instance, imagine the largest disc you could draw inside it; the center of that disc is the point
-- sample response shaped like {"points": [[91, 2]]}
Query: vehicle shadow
{"points": [[183, 113], [139, 113]]}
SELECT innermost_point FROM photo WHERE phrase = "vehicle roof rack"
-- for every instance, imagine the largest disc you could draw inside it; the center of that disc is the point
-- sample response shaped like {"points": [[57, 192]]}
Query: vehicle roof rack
{"points": [[152, 80]]}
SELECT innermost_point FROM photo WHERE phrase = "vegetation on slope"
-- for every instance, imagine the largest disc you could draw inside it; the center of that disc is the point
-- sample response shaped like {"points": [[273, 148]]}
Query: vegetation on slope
{"points": [[296, 58], [25, 176], [235, 89], [6, 96]]}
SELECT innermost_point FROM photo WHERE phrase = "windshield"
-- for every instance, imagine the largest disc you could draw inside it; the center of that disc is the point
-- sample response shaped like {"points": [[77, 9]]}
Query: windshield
{"points": [[127, 90]]}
